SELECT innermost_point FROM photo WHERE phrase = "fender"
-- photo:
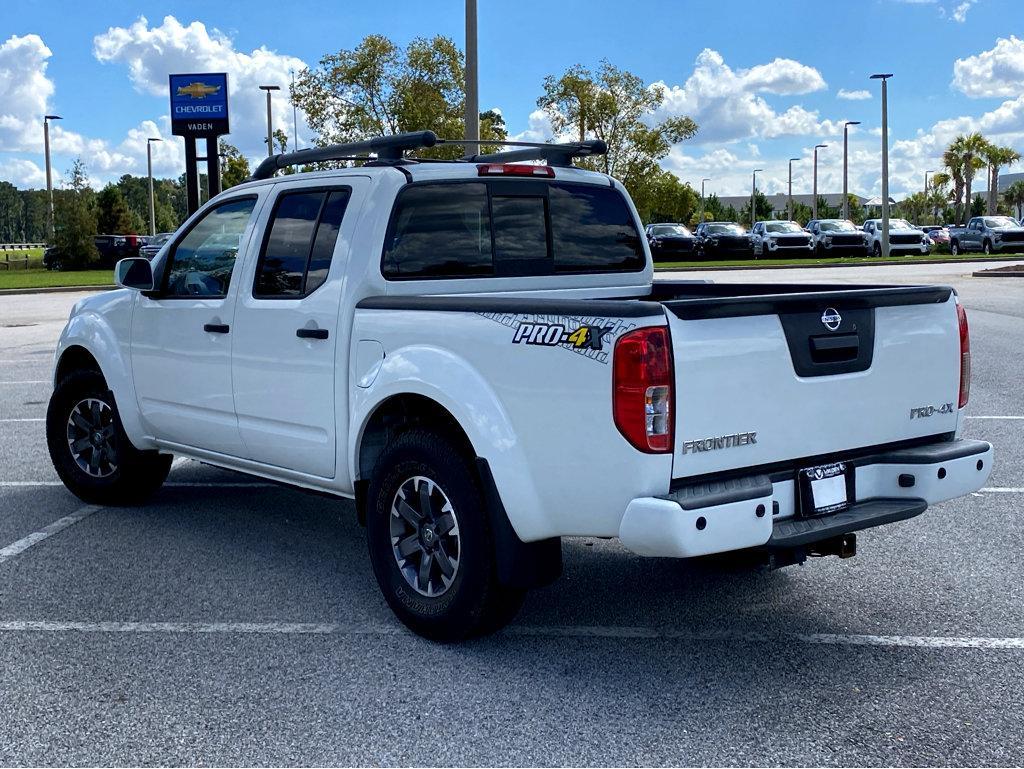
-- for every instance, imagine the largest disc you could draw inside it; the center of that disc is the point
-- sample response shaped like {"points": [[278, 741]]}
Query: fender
{"points": [[101, 324], [450, 380]]}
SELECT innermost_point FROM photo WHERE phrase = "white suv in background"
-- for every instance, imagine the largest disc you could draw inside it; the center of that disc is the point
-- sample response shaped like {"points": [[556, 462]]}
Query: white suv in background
{"points": [[779, 238], [904, 238]]}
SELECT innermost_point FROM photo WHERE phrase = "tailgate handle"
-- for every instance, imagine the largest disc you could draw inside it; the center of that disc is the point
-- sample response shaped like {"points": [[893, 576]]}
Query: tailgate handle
{"points": [[834, 348]]}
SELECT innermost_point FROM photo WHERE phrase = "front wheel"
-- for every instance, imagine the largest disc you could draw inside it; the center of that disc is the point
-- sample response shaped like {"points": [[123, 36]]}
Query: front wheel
{"points": [[430, 541], [877, 250], [987, 248], [90, 450], [954, 248]]}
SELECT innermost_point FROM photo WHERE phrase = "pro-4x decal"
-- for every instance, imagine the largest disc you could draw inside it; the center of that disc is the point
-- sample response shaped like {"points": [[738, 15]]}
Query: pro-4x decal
{"points": [[588, 336]]}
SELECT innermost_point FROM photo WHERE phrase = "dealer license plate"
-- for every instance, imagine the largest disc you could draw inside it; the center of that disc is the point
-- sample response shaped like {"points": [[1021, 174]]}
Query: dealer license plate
{"points": [[824, 489]]}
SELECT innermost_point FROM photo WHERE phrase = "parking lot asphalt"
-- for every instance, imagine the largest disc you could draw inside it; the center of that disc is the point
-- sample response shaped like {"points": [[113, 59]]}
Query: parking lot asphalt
{"points": [[229, 621]]}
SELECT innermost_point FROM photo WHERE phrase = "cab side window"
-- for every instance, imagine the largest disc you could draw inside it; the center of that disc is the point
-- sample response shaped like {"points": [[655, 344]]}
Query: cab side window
{"points": [[201, 263], [299, 243]]}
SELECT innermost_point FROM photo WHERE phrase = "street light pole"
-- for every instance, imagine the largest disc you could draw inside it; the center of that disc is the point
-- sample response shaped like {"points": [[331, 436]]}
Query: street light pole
{"points": [[885, 161], [149, 167], [472, 118], [753, 191], [270, 119], [789, 205], [49, 174], [702, 198], [926, 189], [814, 203], [846, 150], [295, 115]]}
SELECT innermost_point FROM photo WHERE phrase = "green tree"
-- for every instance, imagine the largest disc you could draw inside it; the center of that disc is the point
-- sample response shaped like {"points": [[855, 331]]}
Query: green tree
{"points": [[10, 214], [75, 219], [964, 158], [1014, 196], [997, 157], [379, 88], [112, 214], [663, 198], [763, 210], [802, 213], [977, 205], [614, 105], [236, 166]]}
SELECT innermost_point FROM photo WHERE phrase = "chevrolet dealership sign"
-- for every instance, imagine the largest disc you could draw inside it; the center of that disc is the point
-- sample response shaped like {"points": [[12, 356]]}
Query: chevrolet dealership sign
{"points": [[199, 104]]}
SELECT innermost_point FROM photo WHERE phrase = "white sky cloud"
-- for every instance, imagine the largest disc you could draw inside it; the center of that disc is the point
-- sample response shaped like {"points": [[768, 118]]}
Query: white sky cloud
{"points": [[960, 11], [853, 95], [998, 71], [25, 90], [22, 173], [151, 53]]}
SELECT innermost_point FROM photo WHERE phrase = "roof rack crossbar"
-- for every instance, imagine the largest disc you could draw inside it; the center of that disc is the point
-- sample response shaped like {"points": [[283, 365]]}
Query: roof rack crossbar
{"points": [[559, 155], [387, 148]]}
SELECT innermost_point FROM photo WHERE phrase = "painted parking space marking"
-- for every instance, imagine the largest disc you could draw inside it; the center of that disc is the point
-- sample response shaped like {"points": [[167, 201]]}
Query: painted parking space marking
{"points": [[997, 417], [551, 631], [23, 544], [171, 485], [26, 382], [1003, 489], [25, 419]]}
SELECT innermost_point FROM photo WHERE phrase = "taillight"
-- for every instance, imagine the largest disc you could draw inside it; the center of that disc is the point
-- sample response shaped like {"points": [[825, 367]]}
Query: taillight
{"points": [[511, 169], [965, 355], [642, 394]]}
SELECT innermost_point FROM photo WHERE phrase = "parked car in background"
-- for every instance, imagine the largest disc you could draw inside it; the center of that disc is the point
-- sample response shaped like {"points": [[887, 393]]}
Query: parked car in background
{"points": [[988, 234], [154, 243], [837, 237], [904, 238], [670, 241], [780, 239], [723, 240], [111, 248], [938, 234]]}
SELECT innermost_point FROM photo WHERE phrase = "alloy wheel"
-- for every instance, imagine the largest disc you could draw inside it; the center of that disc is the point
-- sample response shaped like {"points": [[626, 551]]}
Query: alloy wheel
{"points": [[425, 536], [90, 434]]}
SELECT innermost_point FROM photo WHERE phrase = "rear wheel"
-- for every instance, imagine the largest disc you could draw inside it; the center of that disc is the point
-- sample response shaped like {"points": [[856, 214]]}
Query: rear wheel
{"points": [[90, 450], [954, 248], [430, 541], [877, 250], [986, 248]]}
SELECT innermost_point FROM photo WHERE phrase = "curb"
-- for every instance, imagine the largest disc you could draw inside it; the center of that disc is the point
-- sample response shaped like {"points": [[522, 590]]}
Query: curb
{"points": [[54, 290], [998, 274], [797, 265]]}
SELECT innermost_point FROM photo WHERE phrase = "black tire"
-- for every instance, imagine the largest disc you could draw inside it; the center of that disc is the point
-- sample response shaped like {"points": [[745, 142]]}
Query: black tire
{"points": [[986, 248], [123, 474], [954, 248], [877, 249], [473, 602]]}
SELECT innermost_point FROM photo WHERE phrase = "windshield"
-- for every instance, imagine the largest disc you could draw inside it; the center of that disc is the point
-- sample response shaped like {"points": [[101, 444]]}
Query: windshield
{"points": [[998, 222], [670, 229], [838, 227], [900, 224], [782, 227], [726, 229]]}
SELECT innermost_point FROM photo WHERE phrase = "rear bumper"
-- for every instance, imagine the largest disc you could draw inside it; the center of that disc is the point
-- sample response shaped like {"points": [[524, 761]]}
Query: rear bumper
{"points": [[756, 511]]}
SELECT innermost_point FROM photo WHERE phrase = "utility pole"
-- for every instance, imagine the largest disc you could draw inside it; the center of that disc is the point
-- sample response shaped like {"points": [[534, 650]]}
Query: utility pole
{"points": [[270, 119], [789, 205], [49, 174], [702, 198], [926, 206], [846, 153], [814, 206], [472, 132], [885, 161], [295, 115], [152, 200]]}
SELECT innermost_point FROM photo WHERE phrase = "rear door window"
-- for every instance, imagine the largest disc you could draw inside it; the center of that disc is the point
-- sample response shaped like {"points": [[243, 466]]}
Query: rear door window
{"points": [[505, 228]]}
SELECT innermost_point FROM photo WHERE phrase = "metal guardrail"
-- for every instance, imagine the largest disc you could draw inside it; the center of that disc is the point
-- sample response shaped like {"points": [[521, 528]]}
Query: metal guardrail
{"points": [[20, 246]]}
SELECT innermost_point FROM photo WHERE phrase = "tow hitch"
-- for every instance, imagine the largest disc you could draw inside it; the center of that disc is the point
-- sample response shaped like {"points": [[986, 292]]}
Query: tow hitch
{"points": [[845, 546]]}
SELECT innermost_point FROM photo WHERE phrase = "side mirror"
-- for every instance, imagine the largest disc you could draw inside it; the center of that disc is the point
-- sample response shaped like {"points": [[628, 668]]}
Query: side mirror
{"points": [[135, 273]]}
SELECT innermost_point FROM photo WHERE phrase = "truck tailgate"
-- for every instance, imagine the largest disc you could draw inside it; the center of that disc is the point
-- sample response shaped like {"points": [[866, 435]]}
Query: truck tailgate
{"points": [[808, 371]]}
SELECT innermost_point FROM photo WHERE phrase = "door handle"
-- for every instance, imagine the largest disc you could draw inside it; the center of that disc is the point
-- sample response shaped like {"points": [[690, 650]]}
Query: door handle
{"points": [[216, 328], [311, 333]]}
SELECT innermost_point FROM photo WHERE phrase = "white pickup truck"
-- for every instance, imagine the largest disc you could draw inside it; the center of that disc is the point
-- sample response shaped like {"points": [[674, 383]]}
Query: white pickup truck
{"points": [[476, 353]]}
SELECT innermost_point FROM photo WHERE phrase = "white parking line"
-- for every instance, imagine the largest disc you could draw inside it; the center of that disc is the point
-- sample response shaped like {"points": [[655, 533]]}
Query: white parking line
{"points": [[25, 419], [27, 381], [549, 631], [172, 485], [23, 544], [996, 417], [1003, 489]]}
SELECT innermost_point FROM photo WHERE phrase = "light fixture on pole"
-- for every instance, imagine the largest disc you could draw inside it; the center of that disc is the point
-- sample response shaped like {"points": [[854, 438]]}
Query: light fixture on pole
{"points": [[885, 160], [789, 205], [814, 194], [149, 167], [49, 174], [846, 153], [753, 191], [270, 122], [702, 198], [472, 116]]}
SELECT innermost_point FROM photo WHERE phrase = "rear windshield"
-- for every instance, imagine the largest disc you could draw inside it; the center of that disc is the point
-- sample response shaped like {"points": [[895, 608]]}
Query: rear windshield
{"points": [[503, 228]]}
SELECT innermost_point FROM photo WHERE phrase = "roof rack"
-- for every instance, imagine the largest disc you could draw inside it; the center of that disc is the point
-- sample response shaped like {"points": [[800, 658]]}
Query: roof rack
{"points": [[558, 155], [388, 149]]}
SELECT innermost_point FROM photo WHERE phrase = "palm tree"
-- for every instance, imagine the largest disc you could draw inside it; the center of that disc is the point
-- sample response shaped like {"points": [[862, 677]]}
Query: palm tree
{"points": [[1014, 196], [996, 157], [938, 197], [974, 147], [952, 159]]}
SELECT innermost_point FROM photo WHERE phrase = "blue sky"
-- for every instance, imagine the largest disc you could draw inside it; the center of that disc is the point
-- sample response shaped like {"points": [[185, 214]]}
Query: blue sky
{"points": [[764, 85]]}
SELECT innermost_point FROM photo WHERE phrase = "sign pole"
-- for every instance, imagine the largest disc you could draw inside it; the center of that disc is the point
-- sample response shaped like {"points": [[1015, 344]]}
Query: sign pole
{"points": [[212, 166], [199, 110]]}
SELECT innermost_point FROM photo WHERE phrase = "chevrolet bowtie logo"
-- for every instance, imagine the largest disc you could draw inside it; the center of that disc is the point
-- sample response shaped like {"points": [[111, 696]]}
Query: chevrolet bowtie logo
{"points": [[198, 90]]}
